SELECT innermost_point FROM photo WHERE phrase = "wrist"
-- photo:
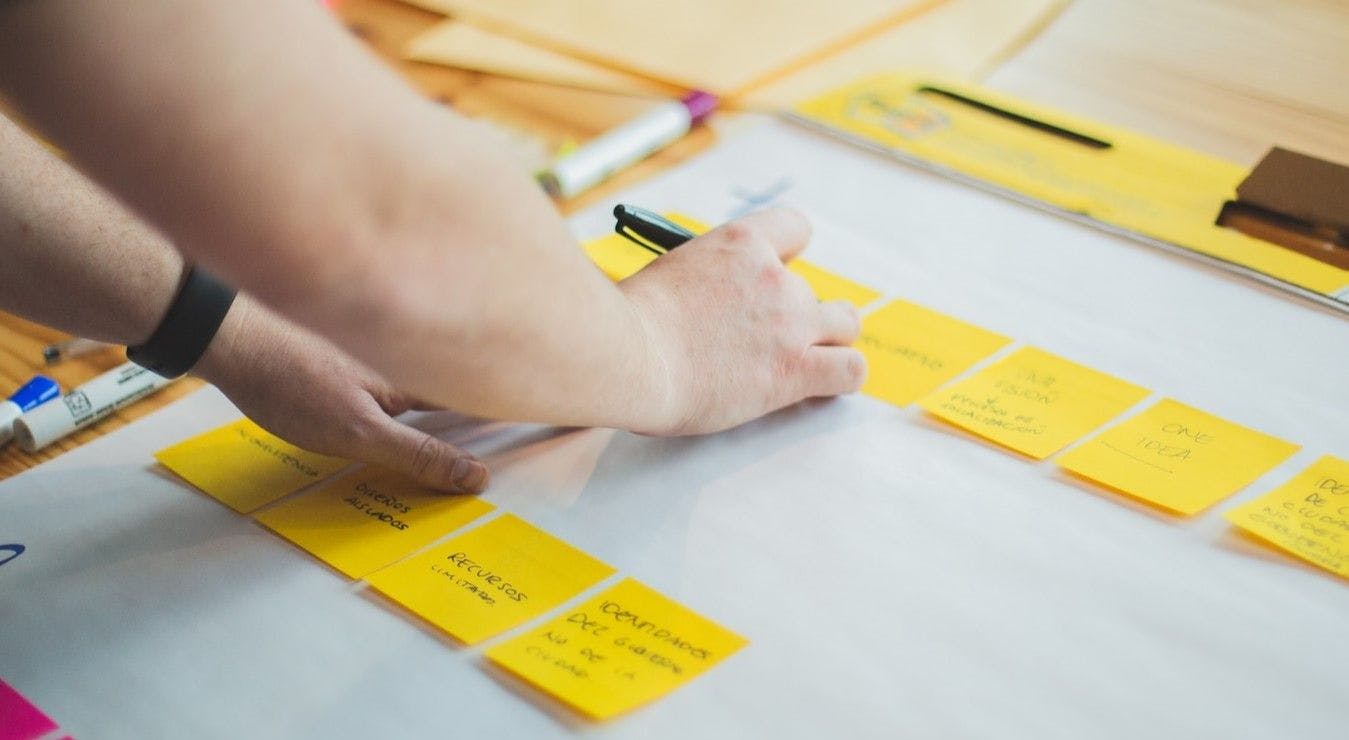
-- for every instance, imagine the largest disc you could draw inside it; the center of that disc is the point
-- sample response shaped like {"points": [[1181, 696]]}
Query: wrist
{"points": [[662, 406], [224, 356], [188, 326]]}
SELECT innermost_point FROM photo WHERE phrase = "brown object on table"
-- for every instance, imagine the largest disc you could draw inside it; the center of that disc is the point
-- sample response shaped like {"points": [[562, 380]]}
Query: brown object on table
{"points": [[1313, 191], [1295, 201]]}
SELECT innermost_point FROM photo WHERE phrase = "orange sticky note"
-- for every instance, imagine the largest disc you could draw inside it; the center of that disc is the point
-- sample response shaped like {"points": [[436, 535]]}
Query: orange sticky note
{"points": [[244, 467], [619, 650], [1033, 402], [361, 522], [1308, 516], [912, 350], [1177, 457], [490, 579]]}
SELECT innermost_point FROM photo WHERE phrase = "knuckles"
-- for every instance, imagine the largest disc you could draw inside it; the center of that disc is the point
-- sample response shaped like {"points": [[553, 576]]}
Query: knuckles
{"points": [[739, 234], [427, 458]]}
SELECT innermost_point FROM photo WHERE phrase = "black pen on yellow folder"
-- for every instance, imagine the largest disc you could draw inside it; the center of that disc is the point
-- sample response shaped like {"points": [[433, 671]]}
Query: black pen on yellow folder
{"points": [[649, 230]]}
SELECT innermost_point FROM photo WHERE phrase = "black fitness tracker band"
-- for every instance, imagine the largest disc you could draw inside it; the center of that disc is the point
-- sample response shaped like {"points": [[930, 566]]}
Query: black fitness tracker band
{"points": [[187, 328]]}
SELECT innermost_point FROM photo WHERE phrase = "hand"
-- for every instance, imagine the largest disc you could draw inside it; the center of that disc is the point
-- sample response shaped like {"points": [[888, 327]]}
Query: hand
{"points": [[301, 388], [739, 335]]}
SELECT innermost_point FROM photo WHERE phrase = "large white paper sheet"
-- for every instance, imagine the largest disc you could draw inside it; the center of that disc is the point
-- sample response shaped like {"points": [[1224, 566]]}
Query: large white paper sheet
{"points": [[895, 577]]}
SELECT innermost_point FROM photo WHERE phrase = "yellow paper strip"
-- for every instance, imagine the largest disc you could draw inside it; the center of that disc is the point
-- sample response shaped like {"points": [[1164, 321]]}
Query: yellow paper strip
{"points": [[364, 521], [490, 579], [1033, 402], [1140, 185], [1177, 457], [1308, 516], [912, 350], [619, 650], [244, 467]]}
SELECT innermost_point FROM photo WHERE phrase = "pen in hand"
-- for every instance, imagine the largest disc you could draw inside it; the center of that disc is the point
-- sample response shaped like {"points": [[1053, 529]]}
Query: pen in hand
{"points": [[649, 230]]}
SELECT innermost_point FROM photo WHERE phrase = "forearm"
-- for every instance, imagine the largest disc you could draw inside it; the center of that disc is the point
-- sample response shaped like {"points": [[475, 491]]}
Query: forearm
{"points": [[271, 148], [74, 258]]}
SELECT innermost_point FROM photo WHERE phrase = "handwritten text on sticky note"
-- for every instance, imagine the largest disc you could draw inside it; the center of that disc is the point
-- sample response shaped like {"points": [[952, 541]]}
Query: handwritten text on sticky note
{"points": [[621, 649], [490, 578], [1177, 457], [1307, 516], [364, 521], [912, 350], [245, 467], [1033, 402]]}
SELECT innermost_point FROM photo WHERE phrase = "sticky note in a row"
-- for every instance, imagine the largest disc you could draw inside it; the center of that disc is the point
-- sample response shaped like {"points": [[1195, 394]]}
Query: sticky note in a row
{"points": [[244, 467], [1036, 403], [363, 521], [1308, 516], [911, 350], [1033, 402], [1177, 457], [623, 648], [619, 259], [475, 585], [494, 577]]}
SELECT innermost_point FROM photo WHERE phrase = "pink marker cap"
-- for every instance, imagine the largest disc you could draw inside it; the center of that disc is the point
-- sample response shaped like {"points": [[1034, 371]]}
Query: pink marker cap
{"points": [[700, 105]]}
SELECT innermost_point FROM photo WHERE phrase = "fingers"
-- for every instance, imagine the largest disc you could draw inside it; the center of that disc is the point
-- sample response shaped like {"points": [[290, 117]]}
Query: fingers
{"points": [[839, 323], [831, 371], [786, 230], [422, 457]]}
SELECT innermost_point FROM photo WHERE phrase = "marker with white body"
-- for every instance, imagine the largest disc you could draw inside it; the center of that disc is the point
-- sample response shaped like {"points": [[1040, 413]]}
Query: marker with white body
{"points": [[625, 145], [85, 405], [34, 393]]}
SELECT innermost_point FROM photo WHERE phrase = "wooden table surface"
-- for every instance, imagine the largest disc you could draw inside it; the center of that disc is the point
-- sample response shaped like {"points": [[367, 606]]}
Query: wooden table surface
{"points": [[1228, 77]]}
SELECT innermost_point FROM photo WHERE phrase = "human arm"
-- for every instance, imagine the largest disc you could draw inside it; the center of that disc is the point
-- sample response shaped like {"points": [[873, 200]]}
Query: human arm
{"points": [[273, 150], [76, 260]]}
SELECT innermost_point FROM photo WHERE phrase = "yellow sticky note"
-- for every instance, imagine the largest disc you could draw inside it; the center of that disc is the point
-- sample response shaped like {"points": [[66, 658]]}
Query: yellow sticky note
{"points": [[617, 651], [617, 256], [1177, 457], [1307, 516], [911, 350], [1033, 402], [620, 258], [490, 579], [244, 467], [364, 521], [828, 286]]}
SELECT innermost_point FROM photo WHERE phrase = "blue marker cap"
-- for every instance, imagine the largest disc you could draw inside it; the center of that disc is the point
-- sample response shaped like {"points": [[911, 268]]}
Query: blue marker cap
{"points": [[35, 392], [30, 395]]}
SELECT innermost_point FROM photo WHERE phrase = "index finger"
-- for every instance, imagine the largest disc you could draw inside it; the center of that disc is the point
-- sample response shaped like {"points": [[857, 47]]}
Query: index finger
{"points": [[786, 230]]}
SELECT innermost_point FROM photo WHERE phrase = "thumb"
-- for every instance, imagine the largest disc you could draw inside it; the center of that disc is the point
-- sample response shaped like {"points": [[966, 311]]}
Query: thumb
{"points": [[424, 458]]}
